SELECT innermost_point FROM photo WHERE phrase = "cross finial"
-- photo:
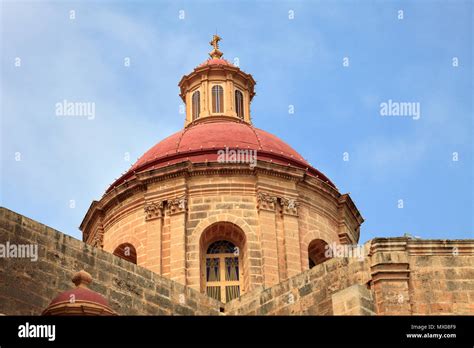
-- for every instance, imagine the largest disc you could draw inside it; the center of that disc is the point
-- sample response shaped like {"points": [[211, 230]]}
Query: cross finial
{"points": [[215, 41], [215, 53]]}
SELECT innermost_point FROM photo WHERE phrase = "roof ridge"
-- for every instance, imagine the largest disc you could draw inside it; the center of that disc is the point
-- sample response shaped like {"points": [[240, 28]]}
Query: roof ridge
{"points": [[178, 143], [256, 135]]}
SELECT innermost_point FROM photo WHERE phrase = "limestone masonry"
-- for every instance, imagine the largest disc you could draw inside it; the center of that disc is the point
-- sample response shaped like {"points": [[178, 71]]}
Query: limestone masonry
{"points": [[399, 276], [223, 218]]}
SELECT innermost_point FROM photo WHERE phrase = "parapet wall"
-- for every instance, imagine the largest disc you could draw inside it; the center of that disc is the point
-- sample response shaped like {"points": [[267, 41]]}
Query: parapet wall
{"points": [[27, 287], [395, 276], [309, 293]]}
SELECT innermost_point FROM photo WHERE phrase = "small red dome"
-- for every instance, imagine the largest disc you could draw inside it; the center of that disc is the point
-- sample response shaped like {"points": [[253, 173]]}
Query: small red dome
{"points": [[200, 143], [216, 61], [80, 294], [80, 300]]}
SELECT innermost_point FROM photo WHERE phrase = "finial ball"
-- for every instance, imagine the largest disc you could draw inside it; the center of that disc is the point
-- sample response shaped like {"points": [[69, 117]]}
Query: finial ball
{"points": [[82, 278]]}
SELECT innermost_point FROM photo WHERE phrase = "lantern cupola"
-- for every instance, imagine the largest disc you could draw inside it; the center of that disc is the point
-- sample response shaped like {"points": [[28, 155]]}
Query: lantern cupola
{"points": [[217, 89]]}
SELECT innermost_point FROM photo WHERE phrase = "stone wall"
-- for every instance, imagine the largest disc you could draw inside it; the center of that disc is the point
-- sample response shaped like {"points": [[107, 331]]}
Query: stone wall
{"points": [[396, 276], [309, 293], [27, 287], [411, 276]]}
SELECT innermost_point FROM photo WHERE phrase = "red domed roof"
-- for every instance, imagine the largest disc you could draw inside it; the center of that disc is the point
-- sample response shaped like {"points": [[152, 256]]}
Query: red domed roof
{"points": [[80, 294], [199, 143], [80, 300], [216, 61]]}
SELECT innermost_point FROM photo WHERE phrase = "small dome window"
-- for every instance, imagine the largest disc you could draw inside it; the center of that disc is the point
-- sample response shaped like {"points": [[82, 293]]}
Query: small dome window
{"points": [[196, 105], [217, 99], [239, 104]]}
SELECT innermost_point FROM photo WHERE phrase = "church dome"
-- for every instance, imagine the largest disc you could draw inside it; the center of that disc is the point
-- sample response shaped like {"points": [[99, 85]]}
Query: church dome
{"points": [[80, 300], [200, 143], [221, 180]]}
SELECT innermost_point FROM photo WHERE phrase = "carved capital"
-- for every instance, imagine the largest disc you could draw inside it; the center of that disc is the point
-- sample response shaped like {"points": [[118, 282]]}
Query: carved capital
{"points": [[289, 206], [153, 210], [98, 240], [178, 205], [266, 201]]}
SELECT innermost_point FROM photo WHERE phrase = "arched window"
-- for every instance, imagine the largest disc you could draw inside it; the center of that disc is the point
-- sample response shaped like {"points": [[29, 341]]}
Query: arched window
{"points": [[224, 261], [217, 99], [239, 104], [317, 252], [196, 103], [223, 273], [127, 252]]}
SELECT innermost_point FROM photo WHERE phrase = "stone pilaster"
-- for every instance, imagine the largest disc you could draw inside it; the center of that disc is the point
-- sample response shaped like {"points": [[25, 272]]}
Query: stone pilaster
{"points": [[154, 226], [177, 208], [266, 209], [289, 211], [390, 273]]}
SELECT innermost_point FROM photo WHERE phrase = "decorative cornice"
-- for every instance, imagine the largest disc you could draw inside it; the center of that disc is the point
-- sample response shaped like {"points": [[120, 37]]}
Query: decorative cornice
{"points": [[349, 219], [125, 209], [140, 181], [390, 272], [422, 247], [345, 201], [186, 80], [187, 168], [318, 184]]}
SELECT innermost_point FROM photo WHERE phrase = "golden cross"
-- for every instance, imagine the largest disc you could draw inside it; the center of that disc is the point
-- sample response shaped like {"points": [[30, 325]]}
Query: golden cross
{"points": [[215, 42]]}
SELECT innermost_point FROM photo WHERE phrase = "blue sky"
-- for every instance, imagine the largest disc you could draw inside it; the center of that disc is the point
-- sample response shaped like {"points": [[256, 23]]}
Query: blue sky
{"points": [[48, 161]]}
